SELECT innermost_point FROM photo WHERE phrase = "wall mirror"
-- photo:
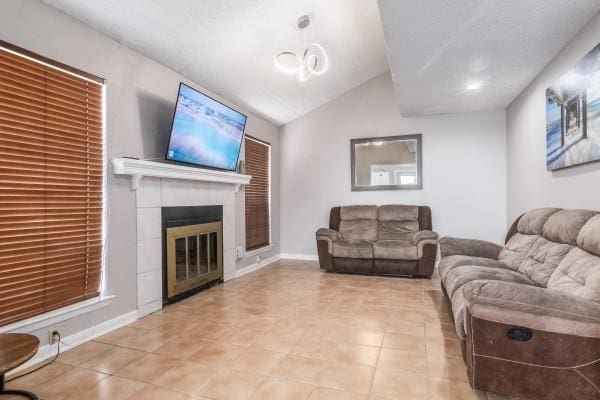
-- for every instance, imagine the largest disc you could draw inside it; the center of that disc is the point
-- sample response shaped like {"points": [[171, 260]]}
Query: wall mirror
{"points": [[386, 163]]}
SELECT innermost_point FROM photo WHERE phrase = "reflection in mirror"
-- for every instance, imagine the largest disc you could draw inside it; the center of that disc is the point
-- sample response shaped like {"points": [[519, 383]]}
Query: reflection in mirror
{"points": [[386, 163]]}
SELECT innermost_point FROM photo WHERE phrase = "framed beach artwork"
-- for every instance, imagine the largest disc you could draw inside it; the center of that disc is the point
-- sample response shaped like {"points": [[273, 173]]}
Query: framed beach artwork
{"points": [[573, 115]]}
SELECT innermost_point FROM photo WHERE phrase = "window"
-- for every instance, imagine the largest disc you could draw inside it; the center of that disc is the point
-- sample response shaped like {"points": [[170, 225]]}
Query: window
{"points": [[258, 193], [51, 184]]}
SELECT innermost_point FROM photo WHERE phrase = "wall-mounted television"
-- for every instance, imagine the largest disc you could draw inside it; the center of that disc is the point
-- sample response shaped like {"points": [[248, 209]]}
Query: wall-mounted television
{"points": [[205, 132]]}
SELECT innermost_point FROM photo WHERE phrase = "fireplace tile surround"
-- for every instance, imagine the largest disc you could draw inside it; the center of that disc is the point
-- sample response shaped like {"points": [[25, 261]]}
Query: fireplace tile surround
{"points": [[151, 196]]}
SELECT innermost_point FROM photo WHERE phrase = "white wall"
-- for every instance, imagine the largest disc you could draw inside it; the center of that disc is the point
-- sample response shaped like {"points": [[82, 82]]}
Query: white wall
{"points": [[464, 169], [140, 100], [529, 184]]}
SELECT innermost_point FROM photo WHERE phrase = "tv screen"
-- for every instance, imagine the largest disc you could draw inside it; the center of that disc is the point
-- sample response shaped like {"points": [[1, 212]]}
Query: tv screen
{"points": [[205, 132]]}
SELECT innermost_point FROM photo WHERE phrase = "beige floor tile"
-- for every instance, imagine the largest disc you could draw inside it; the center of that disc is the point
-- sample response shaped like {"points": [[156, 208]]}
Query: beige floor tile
{"points": [[301, 369], [83, 353], [446, 368], [390, 384], [314, 347], [444, 347], [217, 354], [232, 385], [349, 377], [276, 341], [181, 347], [111, 388], [402, 361], [154, 393], [442, 389], [356, 354], [257, 361], [187, 377], [405, 342], [242, 336], [112, 360], [39, 377], [74, 382], [334, 394], [282, 389], [148, 368], [362, 336]]}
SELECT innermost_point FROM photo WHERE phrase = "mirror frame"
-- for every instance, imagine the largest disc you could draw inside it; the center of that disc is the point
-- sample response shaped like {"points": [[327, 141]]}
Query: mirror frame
{"points": [[418, 186]]}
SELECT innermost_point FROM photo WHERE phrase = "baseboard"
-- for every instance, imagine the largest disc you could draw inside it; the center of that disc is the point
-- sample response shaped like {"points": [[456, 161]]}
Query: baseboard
{"points": [[256, 266], [48, 351], [307, 257]]}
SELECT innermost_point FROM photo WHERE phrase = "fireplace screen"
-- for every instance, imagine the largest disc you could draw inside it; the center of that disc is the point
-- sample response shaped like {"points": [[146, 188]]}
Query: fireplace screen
{"points": [[194, 256]]}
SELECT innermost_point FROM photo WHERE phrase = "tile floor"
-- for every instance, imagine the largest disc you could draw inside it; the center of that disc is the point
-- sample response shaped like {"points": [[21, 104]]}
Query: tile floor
{"points": [[286, 332]]}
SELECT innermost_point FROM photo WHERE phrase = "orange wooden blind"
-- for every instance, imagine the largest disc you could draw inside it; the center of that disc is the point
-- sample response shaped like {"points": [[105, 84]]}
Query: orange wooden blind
{"points": [[51, 187], [257, 161]]}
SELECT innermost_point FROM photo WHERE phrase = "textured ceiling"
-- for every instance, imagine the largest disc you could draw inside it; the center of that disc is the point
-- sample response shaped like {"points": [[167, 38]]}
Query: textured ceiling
{"points": [[228, 46], [438, 47]]}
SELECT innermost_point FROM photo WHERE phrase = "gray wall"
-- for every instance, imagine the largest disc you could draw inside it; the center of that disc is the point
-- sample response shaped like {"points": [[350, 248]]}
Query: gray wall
{"points": [[464, 168], [140, 99], [529, 184]]}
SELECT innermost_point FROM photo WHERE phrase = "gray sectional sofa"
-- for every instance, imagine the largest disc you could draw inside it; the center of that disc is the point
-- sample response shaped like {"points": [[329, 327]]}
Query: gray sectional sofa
{"points": [[386, 240], [529, 312]]}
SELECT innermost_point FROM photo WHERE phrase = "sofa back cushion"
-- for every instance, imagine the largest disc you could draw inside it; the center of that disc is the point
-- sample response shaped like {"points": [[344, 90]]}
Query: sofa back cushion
{"points": [[359, 222], [529, 229], [397, 222], [564, 226], [579, 272]]}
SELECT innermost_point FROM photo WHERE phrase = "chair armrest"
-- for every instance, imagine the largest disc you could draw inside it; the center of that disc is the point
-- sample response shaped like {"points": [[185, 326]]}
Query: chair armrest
{"points": [[328, 233], [450, 246], [532, 307], [424, 235]]}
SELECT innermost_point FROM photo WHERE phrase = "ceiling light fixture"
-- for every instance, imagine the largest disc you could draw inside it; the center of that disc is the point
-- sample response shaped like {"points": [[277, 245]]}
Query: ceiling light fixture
{"points": [[474, 86], [312, 61]]}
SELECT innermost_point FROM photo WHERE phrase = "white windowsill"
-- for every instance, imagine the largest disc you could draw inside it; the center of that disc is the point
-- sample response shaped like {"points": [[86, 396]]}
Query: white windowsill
{"points": [[258, 251], [55, 316]]}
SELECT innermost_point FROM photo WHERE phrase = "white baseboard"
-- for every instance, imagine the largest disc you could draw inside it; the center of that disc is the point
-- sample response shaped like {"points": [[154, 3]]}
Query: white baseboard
{"points": [[48, 351], [256, 266], [307, 257]]}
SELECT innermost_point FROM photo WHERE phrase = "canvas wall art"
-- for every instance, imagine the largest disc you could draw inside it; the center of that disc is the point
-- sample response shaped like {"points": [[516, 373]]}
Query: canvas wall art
{"points": [[573, 115]]}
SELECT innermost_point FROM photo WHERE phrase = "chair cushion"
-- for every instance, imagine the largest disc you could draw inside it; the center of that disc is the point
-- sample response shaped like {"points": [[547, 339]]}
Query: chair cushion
{"points": [[395, 250], [578, 274], [460, 276], [449, 263], [362, 229], [352, 248]]}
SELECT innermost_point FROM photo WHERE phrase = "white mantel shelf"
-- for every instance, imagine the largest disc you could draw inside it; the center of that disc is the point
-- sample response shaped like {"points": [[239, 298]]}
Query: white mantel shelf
{"points": [[137, 169]]}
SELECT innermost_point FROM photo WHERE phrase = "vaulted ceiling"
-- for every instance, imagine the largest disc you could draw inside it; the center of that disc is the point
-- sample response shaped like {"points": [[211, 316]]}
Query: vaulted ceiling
{"points": [[439, 48], [228, 46]]}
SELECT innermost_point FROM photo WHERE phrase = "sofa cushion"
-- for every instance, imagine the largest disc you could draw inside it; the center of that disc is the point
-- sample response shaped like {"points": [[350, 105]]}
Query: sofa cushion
{"points": [[351, 248], [458, 277], [542, 259], [516, 250], [565, 225], [348, 213], [397, 222], [532, 222], [395, 250], [363, 229], [578, 274], [458, 313], [589, 236], [449, 263]]}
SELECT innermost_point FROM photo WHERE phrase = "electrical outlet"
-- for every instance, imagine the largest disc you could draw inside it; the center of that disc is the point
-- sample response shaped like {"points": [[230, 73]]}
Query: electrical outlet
{"points": [[258, 259], [53, 336], [239, 252]]}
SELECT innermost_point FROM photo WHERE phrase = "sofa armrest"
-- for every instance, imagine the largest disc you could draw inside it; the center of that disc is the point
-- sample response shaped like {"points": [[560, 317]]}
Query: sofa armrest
{"points": [[424, 235], [328, 235], [532, 307], [450, 246]]}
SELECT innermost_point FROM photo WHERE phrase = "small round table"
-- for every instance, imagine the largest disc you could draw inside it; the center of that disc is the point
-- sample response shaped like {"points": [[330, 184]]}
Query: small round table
{"points": [[16, 349]]}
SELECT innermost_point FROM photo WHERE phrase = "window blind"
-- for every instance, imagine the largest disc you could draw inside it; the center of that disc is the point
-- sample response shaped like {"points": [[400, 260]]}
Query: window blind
{"points": [[51, 185], [257, 162]]}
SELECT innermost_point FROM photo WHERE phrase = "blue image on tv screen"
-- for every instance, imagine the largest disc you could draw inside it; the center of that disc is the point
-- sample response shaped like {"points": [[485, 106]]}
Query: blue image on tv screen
{"points": [[205, 132]]}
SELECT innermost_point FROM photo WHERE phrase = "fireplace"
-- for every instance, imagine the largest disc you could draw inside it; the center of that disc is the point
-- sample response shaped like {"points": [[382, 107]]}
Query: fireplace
{"points": [[193, 250]]}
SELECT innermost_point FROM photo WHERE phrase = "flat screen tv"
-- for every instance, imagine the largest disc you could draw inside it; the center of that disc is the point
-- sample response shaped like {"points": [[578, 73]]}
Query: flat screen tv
{"points": [[205, 132]]}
